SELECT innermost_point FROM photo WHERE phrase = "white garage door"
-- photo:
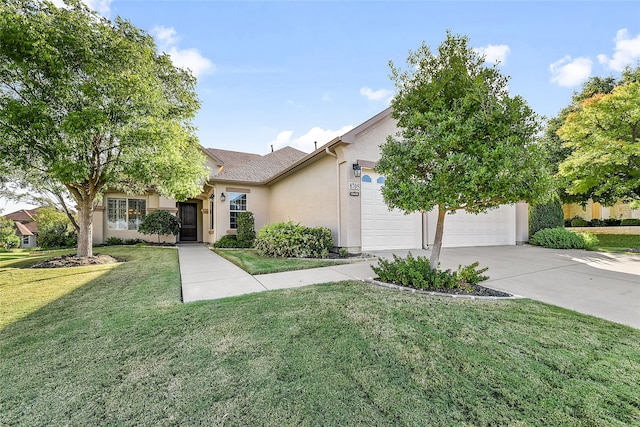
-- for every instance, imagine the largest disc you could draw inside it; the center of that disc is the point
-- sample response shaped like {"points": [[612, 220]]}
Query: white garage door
{"points": [[494, 228], [384, 229]]}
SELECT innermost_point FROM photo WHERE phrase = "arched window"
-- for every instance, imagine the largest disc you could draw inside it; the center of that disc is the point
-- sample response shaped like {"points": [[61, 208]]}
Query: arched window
{"points": [[380, 180], [366, 178]]}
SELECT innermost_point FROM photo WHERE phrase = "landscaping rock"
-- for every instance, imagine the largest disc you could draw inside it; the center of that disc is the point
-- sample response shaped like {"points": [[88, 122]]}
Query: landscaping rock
{"points": [[75, 261]]}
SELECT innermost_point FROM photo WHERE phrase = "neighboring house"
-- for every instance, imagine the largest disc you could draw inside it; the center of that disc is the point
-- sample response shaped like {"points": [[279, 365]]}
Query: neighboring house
{"points": [[335, 186], [594, 210], [26, 226]]}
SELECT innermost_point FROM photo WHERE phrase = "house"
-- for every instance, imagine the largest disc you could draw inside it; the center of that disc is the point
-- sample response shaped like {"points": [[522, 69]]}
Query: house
{"points": [[335, 186], [594, 210], [26, 226]]}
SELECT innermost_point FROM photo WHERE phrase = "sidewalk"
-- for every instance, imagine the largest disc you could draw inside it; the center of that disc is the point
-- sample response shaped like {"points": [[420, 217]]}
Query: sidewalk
{"points": [[206, 275]]}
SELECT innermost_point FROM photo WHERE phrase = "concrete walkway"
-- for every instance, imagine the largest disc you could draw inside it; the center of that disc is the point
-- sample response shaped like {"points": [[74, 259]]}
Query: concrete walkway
{"points": [[599, 284], [206, 275]]}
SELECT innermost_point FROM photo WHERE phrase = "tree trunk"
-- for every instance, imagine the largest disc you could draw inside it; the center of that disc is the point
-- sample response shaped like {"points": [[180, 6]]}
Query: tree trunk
{"points": [[437, 243], [85, 233]]}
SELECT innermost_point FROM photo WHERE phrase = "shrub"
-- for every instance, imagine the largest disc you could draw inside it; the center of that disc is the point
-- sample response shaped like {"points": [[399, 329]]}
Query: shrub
{"points": [[597, 223], [160, 222], [579, 222], [612, 222], [546, 215], [630, 221], [231, 241], [246, 228], [134, 241], [417, 273], [288, 239], [112, 241], [55, 229], [560, 238]]}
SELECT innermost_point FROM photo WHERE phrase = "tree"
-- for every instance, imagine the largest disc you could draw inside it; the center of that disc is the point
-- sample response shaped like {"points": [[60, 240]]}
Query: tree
{"points": [[87, 104], [464, 143], [8, 237], [555, 149], [545, 215], [54, 228], [604, 138], [160, 222]]}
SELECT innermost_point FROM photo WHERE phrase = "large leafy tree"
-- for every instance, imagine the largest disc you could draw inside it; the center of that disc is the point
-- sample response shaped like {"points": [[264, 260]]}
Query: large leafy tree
{"points": [[464, 142], [87, 104], [603, 135], [555, 149]]}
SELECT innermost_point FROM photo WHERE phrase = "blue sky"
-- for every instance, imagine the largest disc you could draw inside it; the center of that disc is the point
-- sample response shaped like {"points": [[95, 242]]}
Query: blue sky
{"points": [[289, 73]]}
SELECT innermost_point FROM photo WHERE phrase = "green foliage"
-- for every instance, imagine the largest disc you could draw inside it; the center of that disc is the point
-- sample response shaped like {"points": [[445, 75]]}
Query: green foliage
{"points": [[113, 241], [246, 228], [288, 239], [160, 222], [546, 215], [89, 104], [579, 222], [232, 241], [8, 237], [604, 161], [55, 229], [417, 273], [561, 238], [612, 222], [630, 221], [465, 142]]}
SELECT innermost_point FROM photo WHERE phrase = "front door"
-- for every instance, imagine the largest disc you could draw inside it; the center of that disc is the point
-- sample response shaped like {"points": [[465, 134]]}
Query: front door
{"points": [[189, 222]]}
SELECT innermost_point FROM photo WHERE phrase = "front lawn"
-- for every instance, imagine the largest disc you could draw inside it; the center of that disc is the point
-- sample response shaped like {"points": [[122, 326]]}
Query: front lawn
{"points": [[617, 242], [122, 350], [252, 263]]}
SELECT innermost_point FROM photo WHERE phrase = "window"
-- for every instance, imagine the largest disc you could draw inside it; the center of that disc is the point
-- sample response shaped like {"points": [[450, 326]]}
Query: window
{"points": [[237, 204], [366, 178], [25, 240], [125, 214]]}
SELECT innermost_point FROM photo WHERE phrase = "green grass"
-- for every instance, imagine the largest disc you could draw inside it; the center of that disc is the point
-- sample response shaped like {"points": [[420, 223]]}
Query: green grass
{"points": [[122, 350], [616, 242], [252, 263]]}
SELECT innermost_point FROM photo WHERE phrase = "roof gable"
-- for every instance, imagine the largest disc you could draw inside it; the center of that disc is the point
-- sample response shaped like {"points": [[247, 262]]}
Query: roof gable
{"points": [[23, 215]]}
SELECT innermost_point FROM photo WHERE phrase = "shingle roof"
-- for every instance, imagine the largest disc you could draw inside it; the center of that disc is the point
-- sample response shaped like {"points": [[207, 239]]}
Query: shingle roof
{"points": [[22, 229], [260, 168], [23, 215], [232, 159]]}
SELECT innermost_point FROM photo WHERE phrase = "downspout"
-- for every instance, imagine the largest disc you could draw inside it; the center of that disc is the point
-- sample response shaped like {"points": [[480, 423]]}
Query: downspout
{"points": [[333, 154]]}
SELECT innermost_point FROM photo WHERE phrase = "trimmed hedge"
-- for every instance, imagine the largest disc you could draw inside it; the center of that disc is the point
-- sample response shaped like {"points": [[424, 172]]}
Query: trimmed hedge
{"points": [[630, 221], [560, 238], [579, 222], [292, 240], [546, 215]]}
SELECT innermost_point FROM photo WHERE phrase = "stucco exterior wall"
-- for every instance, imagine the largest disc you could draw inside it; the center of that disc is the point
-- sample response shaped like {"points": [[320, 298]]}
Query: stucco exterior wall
{"points": [[101, 231], [257, 203], [308, 197]]}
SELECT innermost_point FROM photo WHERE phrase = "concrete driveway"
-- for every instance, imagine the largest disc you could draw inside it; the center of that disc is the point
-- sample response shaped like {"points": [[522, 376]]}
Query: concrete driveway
{"points": [[599, 284]]}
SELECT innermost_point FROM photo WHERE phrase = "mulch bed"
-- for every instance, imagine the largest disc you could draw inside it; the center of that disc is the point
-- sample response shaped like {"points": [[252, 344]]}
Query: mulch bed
{"points": [[469, 291], [74, 261]]}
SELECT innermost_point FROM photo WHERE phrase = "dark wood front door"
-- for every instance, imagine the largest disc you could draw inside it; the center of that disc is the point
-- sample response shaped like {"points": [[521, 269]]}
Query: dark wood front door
{"points": [[189, 222]]}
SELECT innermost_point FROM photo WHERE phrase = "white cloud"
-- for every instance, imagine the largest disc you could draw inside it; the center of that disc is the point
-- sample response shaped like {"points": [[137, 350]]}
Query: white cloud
{"points": [[306, 142], [376, 95], [191, 59], [627, 50], [569, 72], [495, 53]]}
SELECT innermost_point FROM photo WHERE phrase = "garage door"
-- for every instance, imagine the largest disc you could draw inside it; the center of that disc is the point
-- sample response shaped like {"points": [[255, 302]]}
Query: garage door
{"points": [[384, 229], [494, 228]]}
